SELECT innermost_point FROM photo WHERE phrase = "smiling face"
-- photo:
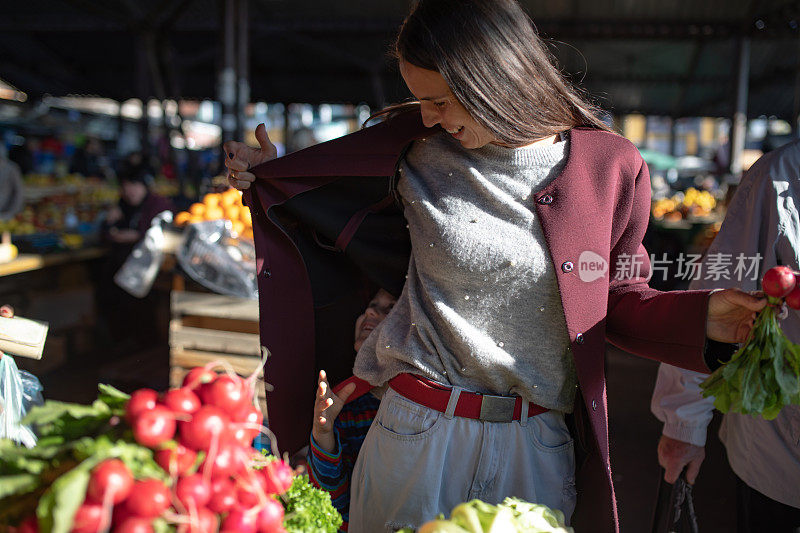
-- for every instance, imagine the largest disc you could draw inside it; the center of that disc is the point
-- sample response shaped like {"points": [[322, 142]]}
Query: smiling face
{"points": [[440, 106], [376, 311]]}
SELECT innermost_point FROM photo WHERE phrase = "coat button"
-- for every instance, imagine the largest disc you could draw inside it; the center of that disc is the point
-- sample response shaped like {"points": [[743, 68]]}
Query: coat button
{"points": [[546, 200], [267, 273], [594, 405], [579, 338], [567, 266]]}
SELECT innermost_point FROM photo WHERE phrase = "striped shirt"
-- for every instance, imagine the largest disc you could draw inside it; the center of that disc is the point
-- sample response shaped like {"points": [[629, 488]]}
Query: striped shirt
{"points": [[331, 472]]}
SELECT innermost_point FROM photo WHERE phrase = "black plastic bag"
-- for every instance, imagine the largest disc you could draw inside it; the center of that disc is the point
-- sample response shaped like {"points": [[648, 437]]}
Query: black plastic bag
{"points": [[674, 510]]}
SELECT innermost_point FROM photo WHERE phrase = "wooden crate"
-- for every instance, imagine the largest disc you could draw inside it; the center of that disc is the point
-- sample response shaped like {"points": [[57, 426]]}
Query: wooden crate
{"points": [[206, 327]]}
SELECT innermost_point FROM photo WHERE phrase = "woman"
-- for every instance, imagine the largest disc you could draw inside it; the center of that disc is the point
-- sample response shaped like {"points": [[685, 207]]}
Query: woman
{"points": [[523, 212]]}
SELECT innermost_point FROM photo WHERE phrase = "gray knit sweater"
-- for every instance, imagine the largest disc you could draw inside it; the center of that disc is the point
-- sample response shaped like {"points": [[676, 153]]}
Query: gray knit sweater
{"points": [[481, 307]]}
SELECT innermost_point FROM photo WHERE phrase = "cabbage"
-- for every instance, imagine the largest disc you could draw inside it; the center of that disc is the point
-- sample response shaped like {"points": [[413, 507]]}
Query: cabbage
{"points": [[511, 516]]}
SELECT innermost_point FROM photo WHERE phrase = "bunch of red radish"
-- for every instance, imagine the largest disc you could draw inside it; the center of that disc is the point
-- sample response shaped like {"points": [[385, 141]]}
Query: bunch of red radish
{"points": [[234, 488], [782, 282]]}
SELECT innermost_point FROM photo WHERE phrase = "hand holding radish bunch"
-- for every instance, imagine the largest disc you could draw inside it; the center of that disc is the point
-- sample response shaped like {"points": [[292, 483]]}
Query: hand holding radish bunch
{"points": [[764, 375]]}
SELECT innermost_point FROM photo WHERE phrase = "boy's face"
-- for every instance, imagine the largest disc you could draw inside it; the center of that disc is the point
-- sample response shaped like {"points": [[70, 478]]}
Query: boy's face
{"points": [[376, 311]]}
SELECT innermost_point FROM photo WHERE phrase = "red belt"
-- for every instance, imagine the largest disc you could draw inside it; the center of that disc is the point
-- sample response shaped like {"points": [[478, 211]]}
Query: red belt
{"points": [[470, 404]]}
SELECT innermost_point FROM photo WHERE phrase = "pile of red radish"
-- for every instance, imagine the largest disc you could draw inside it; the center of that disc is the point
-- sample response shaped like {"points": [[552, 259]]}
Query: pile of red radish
{"points": [[782, 282], [201, 434]]}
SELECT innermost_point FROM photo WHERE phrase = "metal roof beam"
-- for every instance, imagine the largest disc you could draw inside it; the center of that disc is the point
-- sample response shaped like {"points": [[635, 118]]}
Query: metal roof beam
{"points": [[756, 84], [57, 65], [163, 16], [101, 9], [655, 79], [562, 29], [689, 78], [329, 49]]}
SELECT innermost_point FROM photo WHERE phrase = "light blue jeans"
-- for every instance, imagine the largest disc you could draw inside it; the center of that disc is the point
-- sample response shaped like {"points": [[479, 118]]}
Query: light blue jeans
{"points": [[417, 462]]}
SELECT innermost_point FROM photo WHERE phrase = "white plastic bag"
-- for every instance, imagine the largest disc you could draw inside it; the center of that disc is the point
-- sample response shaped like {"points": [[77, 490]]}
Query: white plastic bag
{"points": [[140, 269], [209, 255], [19, 391]]}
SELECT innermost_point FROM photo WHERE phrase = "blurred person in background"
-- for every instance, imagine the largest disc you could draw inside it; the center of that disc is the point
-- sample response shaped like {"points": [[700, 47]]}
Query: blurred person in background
{"points": [[89, 159], [11, 199], [125, 224], [136, 164], [764, 454], [22, 154], [301, 138]]}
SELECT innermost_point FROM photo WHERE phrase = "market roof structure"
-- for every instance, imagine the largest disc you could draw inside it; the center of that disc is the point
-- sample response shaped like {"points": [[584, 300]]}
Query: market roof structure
{"points": [[675, 58]]}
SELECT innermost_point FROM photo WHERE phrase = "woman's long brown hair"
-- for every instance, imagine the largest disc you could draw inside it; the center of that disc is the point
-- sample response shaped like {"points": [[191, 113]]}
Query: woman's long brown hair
{"points": [[497, 67]]}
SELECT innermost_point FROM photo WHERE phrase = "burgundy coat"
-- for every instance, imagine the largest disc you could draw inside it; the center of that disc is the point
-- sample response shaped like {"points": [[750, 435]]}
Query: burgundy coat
{"points": [[600, 203]]}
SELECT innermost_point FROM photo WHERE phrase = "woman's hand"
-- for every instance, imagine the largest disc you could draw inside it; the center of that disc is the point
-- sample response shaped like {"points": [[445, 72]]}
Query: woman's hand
{"points": [[731, 313], [326, 409], [240, 158]]}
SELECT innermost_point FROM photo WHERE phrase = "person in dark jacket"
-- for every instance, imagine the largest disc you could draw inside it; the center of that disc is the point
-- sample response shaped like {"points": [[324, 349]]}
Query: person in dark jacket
{"points": [[126, 223], [124, 226]]}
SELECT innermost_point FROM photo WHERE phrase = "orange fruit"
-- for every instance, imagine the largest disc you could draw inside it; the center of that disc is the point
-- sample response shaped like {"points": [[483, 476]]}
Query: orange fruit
{"points": [[229, 198], [197, 210], [182, 218], [214, 213], [237, 227], [233, 212], [196, 219], [211, 199], [247, 234], [246, 217]]}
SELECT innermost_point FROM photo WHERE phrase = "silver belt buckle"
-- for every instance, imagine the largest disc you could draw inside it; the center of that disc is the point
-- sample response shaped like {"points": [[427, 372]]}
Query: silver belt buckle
{"points": [[497, 408]]}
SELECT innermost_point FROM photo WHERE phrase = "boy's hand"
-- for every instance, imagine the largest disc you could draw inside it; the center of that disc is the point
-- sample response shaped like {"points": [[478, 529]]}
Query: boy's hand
{"points": [[326, 409]]}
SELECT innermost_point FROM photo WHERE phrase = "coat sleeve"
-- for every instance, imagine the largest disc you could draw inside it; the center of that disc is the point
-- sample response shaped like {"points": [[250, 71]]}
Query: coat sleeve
{"points": [[667, 326]]}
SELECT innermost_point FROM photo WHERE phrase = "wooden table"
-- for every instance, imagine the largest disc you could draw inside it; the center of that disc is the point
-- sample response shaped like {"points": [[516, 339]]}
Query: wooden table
{"points": [[30, 262]]}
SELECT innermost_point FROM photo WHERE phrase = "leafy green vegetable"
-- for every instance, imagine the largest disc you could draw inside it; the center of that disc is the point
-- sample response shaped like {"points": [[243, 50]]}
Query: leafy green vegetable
{"points": [[511, 516], [18, 483], [113, 398], [51, 477], [59, 503], [15, 459], [161, 526], [762, 376], [309, 509], [52, 411]]}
